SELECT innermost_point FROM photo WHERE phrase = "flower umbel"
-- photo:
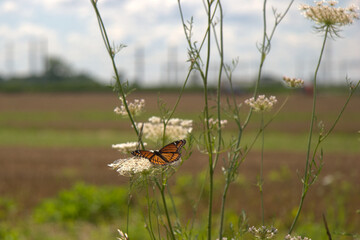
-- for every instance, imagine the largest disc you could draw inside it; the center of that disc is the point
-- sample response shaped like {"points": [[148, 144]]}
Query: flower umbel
{"points": [[135, 107], [263, 232], [327, 16], [175, 129], [262, 103], [131, 166], [289, 237], [126, 147], [293, 82]]}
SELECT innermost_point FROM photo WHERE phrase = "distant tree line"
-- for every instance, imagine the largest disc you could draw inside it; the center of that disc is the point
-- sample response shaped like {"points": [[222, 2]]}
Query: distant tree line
{"points": [[58, 76]]}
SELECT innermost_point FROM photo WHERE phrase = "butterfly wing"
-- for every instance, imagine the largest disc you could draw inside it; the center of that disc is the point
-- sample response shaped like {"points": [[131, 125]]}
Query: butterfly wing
{"points": [[171, 152], [151, 156], [168, 154]]}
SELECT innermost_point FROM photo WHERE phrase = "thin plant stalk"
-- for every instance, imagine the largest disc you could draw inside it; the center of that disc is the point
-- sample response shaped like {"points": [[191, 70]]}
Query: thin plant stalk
{"points": [[235, 162], [152, 235], [265, 49], [313, 116], [112, 52], [161, 188], [261, 179], [177, 103], [128, 208], [207, 127], [218, 100]]}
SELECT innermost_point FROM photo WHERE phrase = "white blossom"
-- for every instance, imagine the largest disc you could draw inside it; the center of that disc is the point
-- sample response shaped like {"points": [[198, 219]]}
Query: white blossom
{"points": [[262, 103], [126, 147], [123, 236], [293, 82], [263, 232], [326, 15], [289, 237], [135, 107], [175, 129], [214, 123], [131, 166]]}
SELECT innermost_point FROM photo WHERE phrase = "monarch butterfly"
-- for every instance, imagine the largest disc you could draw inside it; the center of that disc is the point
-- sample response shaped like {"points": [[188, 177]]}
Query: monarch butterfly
{"points": [[168, 154]]}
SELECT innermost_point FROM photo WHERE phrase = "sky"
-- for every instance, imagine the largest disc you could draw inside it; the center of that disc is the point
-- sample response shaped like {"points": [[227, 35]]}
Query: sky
{"points": [[156, 51]]}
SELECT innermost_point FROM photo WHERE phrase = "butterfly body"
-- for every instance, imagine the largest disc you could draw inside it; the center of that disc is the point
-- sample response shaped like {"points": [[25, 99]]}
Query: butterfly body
{"points": [[168, 154]]}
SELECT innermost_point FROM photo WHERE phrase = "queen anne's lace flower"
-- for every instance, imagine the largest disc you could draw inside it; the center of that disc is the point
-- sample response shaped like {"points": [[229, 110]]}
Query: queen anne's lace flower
{"points": [[326, 15], [263, 232], [135, 107], [262, 103], [175, 129], [293, 82], [289, 237], [131, 166], [126, 147]]}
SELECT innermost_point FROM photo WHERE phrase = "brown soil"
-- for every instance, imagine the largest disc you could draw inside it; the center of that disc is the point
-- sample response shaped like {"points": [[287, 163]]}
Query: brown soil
{"points": [[32, 174]]}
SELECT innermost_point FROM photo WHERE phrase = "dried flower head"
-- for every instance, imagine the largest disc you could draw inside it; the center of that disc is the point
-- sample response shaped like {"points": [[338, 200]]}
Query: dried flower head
{"points": [[293, 82], [135, 107], [262, 103], [123, 236], [289, 237], [327, 16], [263, 232], [126, 147], [175, 129], [131, 166]]}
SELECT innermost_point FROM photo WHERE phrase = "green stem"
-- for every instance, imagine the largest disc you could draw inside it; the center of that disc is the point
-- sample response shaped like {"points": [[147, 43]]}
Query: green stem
{"points": [[207, 128], [218, 100], [306, 174], [261, 170], [222, 211], [262, 60], [128, 208], [111, 53], [152, 235], [162, 192]]}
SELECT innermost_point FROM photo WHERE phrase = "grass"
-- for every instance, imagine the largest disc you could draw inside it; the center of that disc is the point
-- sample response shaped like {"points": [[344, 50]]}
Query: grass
{"points": [[62, 138], [82, 129], [47, 137]]}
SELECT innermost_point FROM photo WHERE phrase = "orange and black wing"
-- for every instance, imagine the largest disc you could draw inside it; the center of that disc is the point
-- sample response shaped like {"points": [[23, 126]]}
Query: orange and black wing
{"points": [[151, 156], [171, 152]]}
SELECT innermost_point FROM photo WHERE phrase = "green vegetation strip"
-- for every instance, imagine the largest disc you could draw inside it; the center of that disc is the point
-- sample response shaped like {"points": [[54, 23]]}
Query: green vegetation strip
{"points": [[274, 141]]}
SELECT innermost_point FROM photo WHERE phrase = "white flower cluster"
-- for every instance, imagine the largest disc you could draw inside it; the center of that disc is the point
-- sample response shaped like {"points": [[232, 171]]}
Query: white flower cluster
{"points": [[262, 103], [131, 166], [289, 237], [214, 123], [126, 147], [175, 129], [293, 82], [135, 107], [263, 232], [324, 13], [123, 236]]}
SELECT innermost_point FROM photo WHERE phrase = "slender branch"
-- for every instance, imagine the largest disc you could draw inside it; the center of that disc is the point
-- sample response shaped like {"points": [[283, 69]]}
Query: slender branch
{"points": [[111, 53], [162, 192], [326, 227], [261, 180], [307, 173]]}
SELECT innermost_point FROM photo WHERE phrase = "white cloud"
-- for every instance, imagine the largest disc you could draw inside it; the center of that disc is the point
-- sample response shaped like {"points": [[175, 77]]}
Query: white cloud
{"points": [[8, 7], [72, 32]]}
